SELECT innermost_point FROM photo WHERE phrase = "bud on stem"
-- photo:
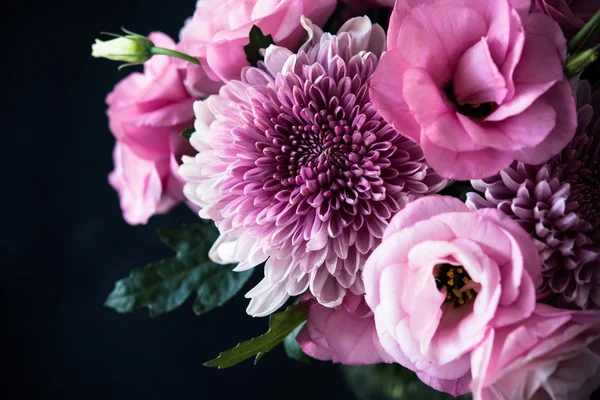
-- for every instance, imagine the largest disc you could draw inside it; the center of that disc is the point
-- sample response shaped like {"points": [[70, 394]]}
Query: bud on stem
{"points": [[134, 49]]}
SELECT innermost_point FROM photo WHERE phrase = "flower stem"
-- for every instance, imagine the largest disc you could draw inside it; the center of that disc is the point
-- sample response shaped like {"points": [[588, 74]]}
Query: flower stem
{"points": [[173, 53], [584, 33]]}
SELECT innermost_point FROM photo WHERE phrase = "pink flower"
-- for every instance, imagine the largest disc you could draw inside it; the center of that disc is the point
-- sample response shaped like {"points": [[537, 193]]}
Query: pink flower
{"points": [[441, 279], [571, 15], [476, 84], [345, 334], [147, 111], [299, 171], [218, 31], [146, 186], [365, 4], [554, 354]]}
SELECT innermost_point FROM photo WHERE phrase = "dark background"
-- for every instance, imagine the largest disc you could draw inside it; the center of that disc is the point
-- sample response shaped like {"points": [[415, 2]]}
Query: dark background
{"points": [[64, 243]]}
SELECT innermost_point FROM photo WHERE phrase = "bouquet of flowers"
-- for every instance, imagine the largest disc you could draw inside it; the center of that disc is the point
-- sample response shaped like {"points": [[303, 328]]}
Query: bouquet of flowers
{"points": [[417, 181]]}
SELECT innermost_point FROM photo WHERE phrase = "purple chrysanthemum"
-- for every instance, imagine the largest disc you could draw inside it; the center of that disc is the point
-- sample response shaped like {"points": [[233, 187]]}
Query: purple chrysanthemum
{"points": [[559, 204], [297, 168]]}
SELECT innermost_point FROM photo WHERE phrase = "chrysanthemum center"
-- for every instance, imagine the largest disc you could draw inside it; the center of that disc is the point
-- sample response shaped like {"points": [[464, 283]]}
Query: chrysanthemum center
{"points": [[586, 191], [457, 282], [318, 146]]}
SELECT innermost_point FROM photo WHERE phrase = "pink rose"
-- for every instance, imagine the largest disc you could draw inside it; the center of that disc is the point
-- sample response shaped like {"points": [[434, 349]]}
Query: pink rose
{"points": [[476, 84], [441, 279], [554, 354], [570, 14], [218, 30], [147, 111], [345, 334]]}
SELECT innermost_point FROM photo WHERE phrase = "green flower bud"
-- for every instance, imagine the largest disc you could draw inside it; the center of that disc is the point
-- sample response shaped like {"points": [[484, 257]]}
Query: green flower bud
{"points": [[133, 49]]}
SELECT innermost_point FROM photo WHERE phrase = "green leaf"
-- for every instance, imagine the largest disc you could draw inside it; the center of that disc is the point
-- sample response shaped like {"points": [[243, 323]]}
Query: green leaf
{"points": [[190, 242], [292, 347], [390, 382], [166, 284], [280, 326], [256, 41], [589, 29], [217, 288], [187, 133]]}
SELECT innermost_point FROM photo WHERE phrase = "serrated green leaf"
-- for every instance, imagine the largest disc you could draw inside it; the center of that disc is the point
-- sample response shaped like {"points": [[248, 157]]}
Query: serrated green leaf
{"points": [[190, 242], [292, 347], [166, 284], [280, 326], [218, 288], [187, 133], [256, 41]]}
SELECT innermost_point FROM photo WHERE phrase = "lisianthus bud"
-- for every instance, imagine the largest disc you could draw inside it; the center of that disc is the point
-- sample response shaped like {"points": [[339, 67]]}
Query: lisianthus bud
{"points": [[134, 49]]}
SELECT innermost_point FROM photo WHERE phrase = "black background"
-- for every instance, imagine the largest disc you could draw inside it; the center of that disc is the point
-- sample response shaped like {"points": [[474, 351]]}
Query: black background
{"points": [[64, 243]]}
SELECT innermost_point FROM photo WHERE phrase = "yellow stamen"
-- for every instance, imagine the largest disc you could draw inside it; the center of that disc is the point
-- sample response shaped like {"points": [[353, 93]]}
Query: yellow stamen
{"points": [[450, 275]]}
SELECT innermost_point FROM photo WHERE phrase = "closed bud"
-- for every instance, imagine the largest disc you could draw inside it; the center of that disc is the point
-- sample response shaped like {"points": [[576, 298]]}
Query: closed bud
{"points": [[133, 49]]}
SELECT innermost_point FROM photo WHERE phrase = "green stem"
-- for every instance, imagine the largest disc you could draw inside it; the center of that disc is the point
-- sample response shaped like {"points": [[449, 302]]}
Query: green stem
{"points": [[584, 32], [173, 53]]}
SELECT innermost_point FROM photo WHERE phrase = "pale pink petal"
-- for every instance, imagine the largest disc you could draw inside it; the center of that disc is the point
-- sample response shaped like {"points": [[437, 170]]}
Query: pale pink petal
{"points": [[339, 335], [423, 209], [456, 387]]}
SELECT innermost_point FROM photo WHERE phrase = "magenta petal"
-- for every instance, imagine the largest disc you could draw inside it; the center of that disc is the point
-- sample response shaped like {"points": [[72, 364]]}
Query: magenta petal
{"points": [[467, 164], [477, 79], [532, 126], [386, 95], [450, 31], [531, 78], [561, 99], [434, 113]]}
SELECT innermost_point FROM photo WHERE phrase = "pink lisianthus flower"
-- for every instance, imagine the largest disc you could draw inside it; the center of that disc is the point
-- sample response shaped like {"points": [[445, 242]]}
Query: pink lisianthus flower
{"points": [[345, 334], [477, 84], [146, 112], [571, 15], [441, 279], [553, 354], [218, 32], [365, 4]]}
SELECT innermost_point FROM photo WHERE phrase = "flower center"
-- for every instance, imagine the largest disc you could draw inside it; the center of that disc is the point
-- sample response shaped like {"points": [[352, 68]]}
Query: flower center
{"points": [[455, 279], [586, 191], [477, 111], [325, 142]]}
